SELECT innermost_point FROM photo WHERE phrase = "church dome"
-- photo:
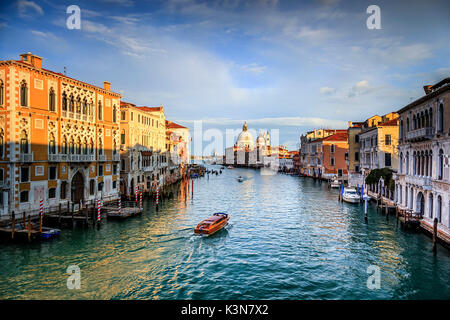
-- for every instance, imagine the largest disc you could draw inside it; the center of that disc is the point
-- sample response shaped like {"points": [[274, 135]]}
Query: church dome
{"points": [[261, 140], [245, 138]]}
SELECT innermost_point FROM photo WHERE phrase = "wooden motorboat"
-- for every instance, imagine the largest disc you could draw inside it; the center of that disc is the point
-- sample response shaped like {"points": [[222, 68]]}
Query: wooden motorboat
{"points": [[240, 179], [212, 224], [350, 195], [230, 167]]}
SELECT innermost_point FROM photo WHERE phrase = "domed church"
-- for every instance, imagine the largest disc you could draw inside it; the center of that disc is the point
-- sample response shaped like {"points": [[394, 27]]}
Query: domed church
{"points": [[245, 139]]}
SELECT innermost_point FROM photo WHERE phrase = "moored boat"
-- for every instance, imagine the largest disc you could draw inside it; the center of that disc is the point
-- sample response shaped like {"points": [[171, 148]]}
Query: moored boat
{"points": [[240, 179], [212, 224], [335, 184], [350, 195]]}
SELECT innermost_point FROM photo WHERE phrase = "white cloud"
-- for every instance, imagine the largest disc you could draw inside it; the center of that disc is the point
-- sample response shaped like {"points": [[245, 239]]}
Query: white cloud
{"points": [[27, 8], [327, 90], [253, 68]]}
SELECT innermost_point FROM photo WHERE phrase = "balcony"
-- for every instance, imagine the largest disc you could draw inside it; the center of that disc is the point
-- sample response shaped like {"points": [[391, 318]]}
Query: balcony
{"points": [[420, 181], [79, 157], [26, 157], [122, 147], [64, 157], [420, 134], [53, 158], [101, 157], [148, 169], [116, 156]]}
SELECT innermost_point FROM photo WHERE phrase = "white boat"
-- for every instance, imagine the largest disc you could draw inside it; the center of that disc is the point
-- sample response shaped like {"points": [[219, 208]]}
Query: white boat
{"points": [[350, 195], [335, 184], [240, 179], [230, 167]]}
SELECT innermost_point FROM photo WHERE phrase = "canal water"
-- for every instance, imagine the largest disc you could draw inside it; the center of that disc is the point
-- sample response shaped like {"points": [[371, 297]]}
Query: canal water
{"points": [[288, 238]]}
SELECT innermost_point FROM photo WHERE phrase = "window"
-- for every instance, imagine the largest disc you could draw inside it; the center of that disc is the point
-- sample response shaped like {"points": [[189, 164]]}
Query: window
{"points": [[2, 176], [387, 159], [78, 105], [23, 94], [2, 90], [64, 101], [122, 115], [63, 190], [91, 187], [131, 116], [84, 106], [2, 143], [100, 147], [100, 186], [440, 126], [357, 138], [401, 129], [52, 100], [356, 156], [439, 209], [387, 139], [332, 161], [332, 148], [52, 173], [23, 142], [122, 138], [407, 124], [114, 184], [52, 193], [64, 146], [114, 114], [100, 170], [114, 168], [24, 174], [356, 168], [71, 104], [51, 144], [100, 111], [441, 164], [24, 196]]}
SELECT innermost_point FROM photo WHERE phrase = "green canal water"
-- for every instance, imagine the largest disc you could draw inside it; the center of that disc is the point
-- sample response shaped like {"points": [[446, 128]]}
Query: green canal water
{"points": [[288, 238]]}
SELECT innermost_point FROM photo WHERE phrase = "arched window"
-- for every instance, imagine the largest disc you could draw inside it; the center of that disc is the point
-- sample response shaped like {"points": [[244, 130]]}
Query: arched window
{"points": [[407, 162], [401, 129], [414, 163], [431, 163], [430, 114], [100, 109], [52, 144], [441, 165], [2, 143], [78, 148], [51, 100], [439, 209], [100, 147], [64, 102], [430, 205], [426, 163], [91, 146], [23, 93], [400, 161], [407, 124], [71, 146], [84, 106], [24, 145], [427, 119], [85, 146], [64, 145], [71, 103], [422, 164], [440, 126], [78, 107], [414, 122], [114, 114], [2, 90]]}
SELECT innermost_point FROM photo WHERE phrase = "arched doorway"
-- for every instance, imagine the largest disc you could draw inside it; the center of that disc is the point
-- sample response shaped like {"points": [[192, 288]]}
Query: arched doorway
{"points": [[420, 203], [131, 187], [77, 188], [430, 205]]}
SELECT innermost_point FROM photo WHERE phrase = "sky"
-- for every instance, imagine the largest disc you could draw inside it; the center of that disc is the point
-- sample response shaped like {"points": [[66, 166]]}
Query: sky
{"points": [[280, 65]]}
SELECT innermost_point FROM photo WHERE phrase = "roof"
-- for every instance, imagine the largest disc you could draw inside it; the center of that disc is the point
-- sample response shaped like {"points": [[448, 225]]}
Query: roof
{"points": [[64, 76], [173, 125], [438, 88], [151, 109], [393, 122], [340, 136]]}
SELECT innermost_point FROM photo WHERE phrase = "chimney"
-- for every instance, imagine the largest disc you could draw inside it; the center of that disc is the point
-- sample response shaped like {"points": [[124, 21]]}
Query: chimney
{"points": [[427, 89], [349, 124], [32, 59], [107, 85]]}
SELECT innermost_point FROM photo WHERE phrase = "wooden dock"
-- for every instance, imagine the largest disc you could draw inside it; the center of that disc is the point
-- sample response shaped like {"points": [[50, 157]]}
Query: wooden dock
{"points": [[127, 210]]}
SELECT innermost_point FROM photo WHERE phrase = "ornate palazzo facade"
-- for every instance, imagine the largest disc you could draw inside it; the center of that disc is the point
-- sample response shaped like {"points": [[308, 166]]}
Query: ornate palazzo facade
{"points": [[59, 138]]}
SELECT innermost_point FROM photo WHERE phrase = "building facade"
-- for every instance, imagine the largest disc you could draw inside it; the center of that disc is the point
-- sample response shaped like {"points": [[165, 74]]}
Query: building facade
{"points": [[59, 138], [423, 178]]}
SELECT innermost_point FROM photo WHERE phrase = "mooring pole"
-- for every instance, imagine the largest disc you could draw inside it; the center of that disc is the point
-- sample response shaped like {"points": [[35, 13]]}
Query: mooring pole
{"points": [[29, 228], [365, 208], [13, 225], [435, 223]]}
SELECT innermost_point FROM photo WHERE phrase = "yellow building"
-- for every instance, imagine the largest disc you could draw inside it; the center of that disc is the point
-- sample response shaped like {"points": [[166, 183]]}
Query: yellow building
{"points": [[60, 137], [143, 148]]}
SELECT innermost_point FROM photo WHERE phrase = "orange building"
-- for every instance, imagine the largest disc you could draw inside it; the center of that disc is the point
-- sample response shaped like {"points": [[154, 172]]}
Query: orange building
{"points": [[59, 138]]}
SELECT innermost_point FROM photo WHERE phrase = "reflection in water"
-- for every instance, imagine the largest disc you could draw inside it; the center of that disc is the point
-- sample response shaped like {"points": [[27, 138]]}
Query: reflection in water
{"points": [[288, 238]]}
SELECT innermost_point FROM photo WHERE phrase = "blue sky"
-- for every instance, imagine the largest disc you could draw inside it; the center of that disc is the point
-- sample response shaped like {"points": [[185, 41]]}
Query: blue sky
{"points": [[287, 65]]}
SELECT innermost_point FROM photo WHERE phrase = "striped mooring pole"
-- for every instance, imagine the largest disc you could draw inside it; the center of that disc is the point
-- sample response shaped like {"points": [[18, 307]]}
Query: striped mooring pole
{"points": [[140, 199], [136, 193], [41, 214], [98, 210], [157, 197], [120, 204]]}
